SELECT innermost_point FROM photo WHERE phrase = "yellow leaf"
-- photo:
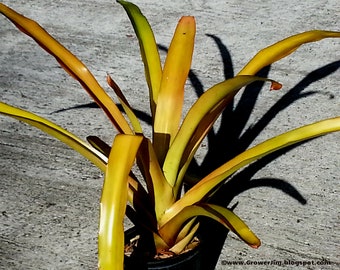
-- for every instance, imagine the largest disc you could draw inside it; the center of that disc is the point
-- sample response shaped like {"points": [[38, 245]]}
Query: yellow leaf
{"points": [[149, 50], [125, 104], [71, 64], [113, 201], [220, 214], [283, 48], [171, 93], [159, 189], [197, 122], [58, 132], [215, 178]]}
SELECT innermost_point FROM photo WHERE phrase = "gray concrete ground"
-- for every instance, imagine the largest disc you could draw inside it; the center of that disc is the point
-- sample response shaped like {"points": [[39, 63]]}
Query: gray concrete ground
{"points": [[49, 195]]}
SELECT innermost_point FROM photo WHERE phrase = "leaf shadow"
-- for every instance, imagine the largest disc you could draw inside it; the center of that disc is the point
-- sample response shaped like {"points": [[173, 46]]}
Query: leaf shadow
{"points": [[233, 122], [143, 116]]}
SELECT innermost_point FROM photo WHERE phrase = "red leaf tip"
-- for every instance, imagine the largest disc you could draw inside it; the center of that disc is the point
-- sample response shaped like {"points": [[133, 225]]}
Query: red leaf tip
{"points": [[275, 86]]}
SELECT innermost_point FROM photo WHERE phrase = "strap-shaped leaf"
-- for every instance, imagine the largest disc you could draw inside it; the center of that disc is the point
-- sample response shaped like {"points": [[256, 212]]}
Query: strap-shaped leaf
{"points": [[208, 183], [71, 64], [283, 48], [202, 130], [58, 132], [182, 244], [197, 121], [97, 155], [100, 145], [186, 229], [149, 50], [114, 200], [171, 93], [126, 106], [159, 189], [222, 215]]}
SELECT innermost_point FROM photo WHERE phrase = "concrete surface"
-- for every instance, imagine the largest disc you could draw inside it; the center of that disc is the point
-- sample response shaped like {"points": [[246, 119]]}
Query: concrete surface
{"points": [[49, 194]]}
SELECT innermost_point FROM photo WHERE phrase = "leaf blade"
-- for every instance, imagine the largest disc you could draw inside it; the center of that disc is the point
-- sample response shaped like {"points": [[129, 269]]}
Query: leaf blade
{"points": [[137, 128], [208, 183], [149, 50], [208, 103], [171, 94], [71, 64], [283, 48], [113, 201], [159, 189], [218, 213], [96, 157]]}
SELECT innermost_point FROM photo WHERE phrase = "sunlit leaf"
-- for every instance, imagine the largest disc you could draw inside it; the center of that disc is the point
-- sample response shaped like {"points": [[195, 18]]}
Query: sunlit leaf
{"points": [[126, 106], [208, 183], [195, 126], [171, 93], [283, 48], [182, 244], [222, 215], [235, 224], [159, 190], [71, 64], [185, 230], [149, 50], [58, 132], [100, 145], [114, 200], [164, 162]]}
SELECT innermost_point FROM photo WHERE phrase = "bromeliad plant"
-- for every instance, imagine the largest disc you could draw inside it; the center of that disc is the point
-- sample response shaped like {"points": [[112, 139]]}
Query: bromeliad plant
{"points": [[158, 206]]}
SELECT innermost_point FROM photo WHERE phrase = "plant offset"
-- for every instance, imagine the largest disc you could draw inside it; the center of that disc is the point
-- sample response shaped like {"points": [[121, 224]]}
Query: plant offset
{"points": [[156, 204]]}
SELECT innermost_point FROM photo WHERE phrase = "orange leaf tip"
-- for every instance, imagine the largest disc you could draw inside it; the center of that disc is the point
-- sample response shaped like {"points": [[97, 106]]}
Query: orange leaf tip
{"points": [[275, 86]]}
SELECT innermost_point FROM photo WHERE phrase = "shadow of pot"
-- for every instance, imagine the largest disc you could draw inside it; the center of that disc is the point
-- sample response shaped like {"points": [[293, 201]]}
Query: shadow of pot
{"points": [[191, 260]]}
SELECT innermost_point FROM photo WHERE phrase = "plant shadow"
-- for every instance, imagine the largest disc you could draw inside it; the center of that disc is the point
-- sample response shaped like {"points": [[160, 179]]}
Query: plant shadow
{"points": [[233, 122], [233, 130]]}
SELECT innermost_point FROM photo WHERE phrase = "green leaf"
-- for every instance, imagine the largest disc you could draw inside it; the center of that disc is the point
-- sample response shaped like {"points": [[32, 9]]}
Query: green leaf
{"points": [[71, 64], [114, 200], [202, 189], [149, 50], [283, 48], [96, 157]]}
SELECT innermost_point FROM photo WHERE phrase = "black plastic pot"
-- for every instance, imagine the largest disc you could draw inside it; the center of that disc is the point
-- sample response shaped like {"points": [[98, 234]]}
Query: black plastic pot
{"points": [[191, 260]]}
